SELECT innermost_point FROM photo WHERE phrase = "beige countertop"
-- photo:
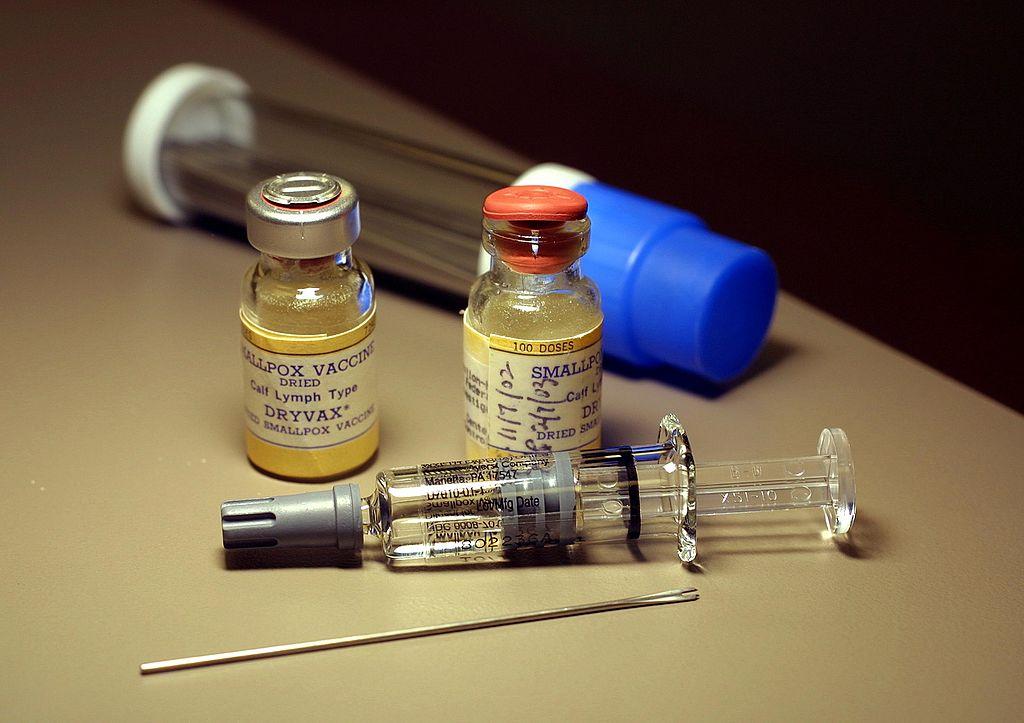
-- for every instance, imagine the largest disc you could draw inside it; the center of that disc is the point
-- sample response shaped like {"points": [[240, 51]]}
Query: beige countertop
{"points": [[121, 435]]}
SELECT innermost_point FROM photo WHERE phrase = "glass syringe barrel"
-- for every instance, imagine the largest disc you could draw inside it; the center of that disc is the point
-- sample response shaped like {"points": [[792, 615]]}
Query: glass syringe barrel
{"points": [[486, 510]]}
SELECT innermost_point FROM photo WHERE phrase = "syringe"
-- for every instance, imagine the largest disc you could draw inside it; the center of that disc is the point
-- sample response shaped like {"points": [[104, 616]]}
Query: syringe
{"points": [[489, 510]]}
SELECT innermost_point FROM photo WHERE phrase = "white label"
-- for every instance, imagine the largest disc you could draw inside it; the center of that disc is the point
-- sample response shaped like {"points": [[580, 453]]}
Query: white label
{"points": [[310, 401], [527, 396]]}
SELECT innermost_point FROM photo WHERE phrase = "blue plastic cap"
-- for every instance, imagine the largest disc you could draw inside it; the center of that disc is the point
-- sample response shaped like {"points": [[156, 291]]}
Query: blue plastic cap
{"points": [[673, 292]]}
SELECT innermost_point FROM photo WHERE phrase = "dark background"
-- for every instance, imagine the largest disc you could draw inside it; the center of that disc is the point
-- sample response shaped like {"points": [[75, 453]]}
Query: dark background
{"points": [[872, 149]]}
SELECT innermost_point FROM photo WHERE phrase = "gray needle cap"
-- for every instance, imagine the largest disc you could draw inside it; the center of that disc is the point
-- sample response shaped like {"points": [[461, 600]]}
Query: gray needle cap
{"points": [[331, 518]]}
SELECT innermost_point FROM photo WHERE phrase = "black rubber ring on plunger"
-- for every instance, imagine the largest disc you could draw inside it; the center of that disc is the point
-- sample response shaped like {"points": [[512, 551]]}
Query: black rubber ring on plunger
{"points": [[633, 531]]}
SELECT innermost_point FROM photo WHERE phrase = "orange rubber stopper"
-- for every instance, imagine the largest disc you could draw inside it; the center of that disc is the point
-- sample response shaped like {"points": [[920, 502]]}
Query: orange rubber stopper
{"points": [[535, 203], [542, 209]]}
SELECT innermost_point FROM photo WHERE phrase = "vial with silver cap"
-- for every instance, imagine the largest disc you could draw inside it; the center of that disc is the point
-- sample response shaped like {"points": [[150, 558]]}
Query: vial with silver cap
{"points": [[489, 510], [308, 313]]}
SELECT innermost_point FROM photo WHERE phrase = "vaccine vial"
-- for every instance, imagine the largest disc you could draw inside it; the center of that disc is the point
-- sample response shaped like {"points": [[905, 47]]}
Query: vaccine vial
{"points": [[308, 313], [532, 329]]}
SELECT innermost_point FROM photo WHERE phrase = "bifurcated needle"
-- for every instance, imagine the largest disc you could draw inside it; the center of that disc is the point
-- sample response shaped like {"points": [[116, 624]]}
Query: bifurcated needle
{"points": [[660, 598]]}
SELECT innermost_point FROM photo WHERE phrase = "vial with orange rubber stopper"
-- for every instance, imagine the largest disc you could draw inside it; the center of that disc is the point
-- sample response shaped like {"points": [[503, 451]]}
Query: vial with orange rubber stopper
{"points": [[532, 329]]}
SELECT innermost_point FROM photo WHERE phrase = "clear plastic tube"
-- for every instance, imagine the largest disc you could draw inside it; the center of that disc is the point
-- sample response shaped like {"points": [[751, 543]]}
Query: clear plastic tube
{"points": [[420, 205]]}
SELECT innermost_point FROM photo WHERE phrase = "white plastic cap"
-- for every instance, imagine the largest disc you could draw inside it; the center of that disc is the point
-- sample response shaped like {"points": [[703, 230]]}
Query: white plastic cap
{"points": [[185, 102], [553, 174]]}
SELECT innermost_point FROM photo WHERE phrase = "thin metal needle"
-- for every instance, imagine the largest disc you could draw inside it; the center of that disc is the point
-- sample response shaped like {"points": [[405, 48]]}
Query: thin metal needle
{"points": [[197, 661]]}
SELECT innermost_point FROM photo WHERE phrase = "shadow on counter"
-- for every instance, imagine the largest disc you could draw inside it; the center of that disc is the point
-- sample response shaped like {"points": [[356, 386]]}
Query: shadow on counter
{"points": [[773, 353]]}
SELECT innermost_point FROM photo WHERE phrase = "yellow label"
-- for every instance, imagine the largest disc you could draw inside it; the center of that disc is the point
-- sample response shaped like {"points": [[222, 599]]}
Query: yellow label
{"points": [[307, 344], [526, 395], [310, 405]]}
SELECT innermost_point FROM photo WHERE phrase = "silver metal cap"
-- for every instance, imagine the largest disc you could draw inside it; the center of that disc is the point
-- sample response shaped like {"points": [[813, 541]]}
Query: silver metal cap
{"points": [[302, 215]]}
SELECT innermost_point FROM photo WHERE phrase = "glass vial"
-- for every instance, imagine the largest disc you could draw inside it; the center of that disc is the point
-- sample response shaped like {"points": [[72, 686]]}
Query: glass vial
{"points": [[308, 312], [532, 329]]}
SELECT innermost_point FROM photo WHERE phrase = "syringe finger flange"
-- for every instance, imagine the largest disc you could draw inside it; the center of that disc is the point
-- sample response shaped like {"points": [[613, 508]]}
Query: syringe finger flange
{"points": [[680, 456]]}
